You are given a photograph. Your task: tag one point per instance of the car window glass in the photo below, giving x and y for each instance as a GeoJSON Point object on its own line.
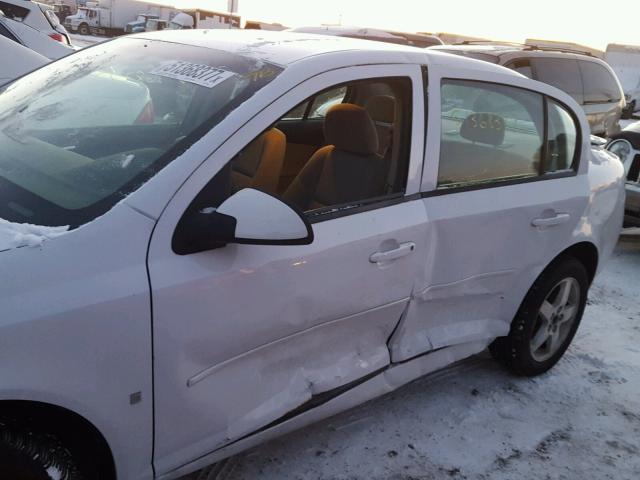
{"type": "Point", "coordinates": [599, 83]}
{"type": "Point", "coordinates": [297, 112]}
{"type": "Point", "coordinates": [323, 102]}
{"type": "Point", "coordinates": [361, 158]}
{"type": "Point", "coordinates": [489, 133]}
{"type": "Point", "coordinates": [523, 67]}
{"type": "Point", "coordinates": [562, 73]}
{"type": "Point", "coordinates": [634, 171]}
{"type": "Point", "coordinates": [14, 12]}
{"type": "Point", "coordinates": [562, 138]}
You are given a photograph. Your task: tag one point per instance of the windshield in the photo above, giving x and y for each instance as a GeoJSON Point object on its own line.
{"type": "Point", "coordinates": [79, 134]}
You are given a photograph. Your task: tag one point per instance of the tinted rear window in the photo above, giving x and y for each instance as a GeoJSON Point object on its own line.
{"type": "Point", "coordinates": [599, 84]}
{"type": "Point", "coordinates": [562, 73]}
{"type": "Point", "coordinates": [14, 11]}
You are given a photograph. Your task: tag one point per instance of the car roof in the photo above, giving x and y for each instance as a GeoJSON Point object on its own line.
{"type": "Point", "coordinates": [286, 48]}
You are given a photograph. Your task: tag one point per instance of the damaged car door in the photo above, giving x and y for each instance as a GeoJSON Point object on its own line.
{"type": "Point", "coordinates": [248, 335]}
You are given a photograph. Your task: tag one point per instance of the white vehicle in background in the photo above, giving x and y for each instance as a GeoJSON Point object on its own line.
{"type": "Point", "coordinates": [225, 260]}
{"type": "Point", "coordinates": [625, 62]}
{"type": "Point", "coordinates": [16, 60]}
{"type": "Point", "coordinates": [104, 17]}
{"type": "Point", "coordinates": [36, 26]}
{"type": "Point", "coordinates": [198, 18]}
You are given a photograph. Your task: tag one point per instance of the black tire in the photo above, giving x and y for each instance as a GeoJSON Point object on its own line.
{"type": "Point", "coordinates": [28, 456]}
{"type": "Point", "coordinates": [83, 29]}
{"type": "Point", "coordinates": [514, 350]}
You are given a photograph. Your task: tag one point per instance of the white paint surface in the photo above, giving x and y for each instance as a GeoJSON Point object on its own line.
{"type": "Point", "coordinates": [476, 421]}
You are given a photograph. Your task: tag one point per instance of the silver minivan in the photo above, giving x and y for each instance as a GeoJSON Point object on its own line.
{"type": "Point", "coordinates": [589, 80]}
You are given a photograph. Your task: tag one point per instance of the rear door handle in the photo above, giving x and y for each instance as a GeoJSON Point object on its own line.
{"type": "Point", "coordinates": [557, 219]}
{"type": "Point", "coordinates": [390, 255]}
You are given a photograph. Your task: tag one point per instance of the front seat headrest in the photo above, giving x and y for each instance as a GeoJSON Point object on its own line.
{"type": "Point", "coordinates": [382, 108]}
{"type": "Point", "coordinates": [349, 127]}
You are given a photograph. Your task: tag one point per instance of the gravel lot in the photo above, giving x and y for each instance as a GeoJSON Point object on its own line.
{"type": "Point", "coordinates": [475, 421]}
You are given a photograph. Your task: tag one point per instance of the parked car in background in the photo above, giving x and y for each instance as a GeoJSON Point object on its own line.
{"type": "Point", "coordinates": [48, 42]}
{"type": "Point", "coordinates": [222, 259]}
{"type": "Point", "coordinates": [379, 35]}
{"type": "Point", "coordinates": [626, 145]}
{"type": "Point", "coordinates": [589, 80]}
{"type": "Point", "coordinates": [16, 60]}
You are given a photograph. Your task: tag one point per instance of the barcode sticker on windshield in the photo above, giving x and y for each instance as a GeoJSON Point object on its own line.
{"type": "Point", "coordinates": [203, 75]}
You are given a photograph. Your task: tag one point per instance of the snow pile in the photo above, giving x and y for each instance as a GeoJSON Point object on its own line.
{"type": "Point", "coordinates": [13, 235]}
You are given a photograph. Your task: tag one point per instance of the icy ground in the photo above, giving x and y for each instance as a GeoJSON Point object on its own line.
{"type": "Point", "coordinates": [82, 41]}
{"type": "Point", "coordinates": [580, 421]}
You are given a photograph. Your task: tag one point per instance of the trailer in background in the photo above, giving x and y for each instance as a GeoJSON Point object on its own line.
{"type": "Point", "coordinates": [625, 61]}
{"type": "Point", "coordinates": [104, 17]}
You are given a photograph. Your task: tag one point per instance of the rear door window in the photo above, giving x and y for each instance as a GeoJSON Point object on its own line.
{"type": "Point", "coordinates": [562, 73]}
{"type": "Point", "coordinates": [599, 84]}
{"type": "Point", "coordinates": [490, 133]}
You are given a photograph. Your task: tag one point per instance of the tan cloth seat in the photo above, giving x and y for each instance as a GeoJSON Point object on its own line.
{"type": "Point", "coordinates": [348, 169]}
{"type": "Point", "coordinates": [260, 163]}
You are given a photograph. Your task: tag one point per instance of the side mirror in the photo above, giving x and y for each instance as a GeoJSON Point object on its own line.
{"type": "Point", "coordinates": [248, 217]}
{"type": "Point", "coordinates": [262, 219]}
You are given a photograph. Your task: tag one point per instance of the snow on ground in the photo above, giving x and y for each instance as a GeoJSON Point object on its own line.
{"type": "Point", "coordinates": [474, 420]}
{"type": "Point", "coordinates": [83, 41]}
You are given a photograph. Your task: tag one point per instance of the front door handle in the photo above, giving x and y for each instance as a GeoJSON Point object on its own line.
{"type": "Point", "coordinates": [557, 219]}
{"type": "Point", "coordinates": [390, 255]}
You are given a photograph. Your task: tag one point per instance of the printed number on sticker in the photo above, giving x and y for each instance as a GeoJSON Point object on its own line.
{"type": "Point", "coordinates": [202, 75]}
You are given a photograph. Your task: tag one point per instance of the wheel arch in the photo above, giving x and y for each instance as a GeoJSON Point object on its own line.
{"type": "Point", "coordinates": [73, 430]}
{"type": "Point", "coordinates": [586, 253]}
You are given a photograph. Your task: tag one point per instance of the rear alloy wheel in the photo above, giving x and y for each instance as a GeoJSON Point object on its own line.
{"type": "Point", "coordinates": [546, 321]}
{"type": "Point", "coordinates": [30, 456]}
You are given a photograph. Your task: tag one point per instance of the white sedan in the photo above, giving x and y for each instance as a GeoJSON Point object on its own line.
{"type": "Point", "coordinates": [229, 258]}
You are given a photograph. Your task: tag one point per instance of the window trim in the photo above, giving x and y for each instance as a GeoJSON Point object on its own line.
{"type": "Point", "coordinates": [352, 208]}
{"type": "Point", "coordinates": [572, 171]}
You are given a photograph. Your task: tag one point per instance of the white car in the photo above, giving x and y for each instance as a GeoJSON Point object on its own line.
{"type": "Point", "coordinates": [36, 26]}
{"type": "Point", "coordinates": [233, 262]}
{"type": "Point", "coordinates": [16, 60]}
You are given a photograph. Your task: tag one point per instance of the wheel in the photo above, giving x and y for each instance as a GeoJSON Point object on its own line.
{"type": "Point", "coordinates": [546, 321]}
{"type": "Point", "coordinates": [83, 29]}
{"type": "Point", "coordinates": [30, 456]}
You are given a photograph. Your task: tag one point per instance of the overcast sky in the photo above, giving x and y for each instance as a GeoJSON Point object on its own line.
{"type": "Point", "coordinates": [610, 21]}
